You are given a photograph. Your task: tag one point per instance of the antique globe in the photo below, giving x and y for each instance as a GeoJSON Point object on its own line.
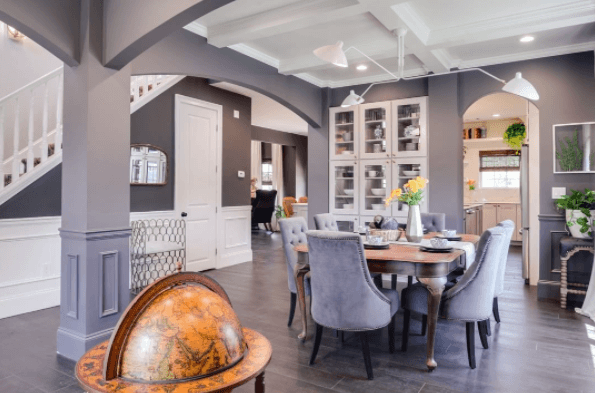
{"type": "Point", "coordinates": [180, 334]}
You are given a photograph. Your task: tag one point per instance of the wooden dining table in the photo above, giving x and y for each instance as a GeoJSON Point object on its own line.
{"type": "Point", "coordinates": [431, 270]}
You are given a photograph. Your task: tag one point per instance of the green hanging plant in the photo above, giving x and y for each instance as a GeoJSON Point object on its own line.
{"type": "Point", "coordinates": [570, 156]}
{"type": "Point", "coordinates": [279, 212]}
{"type": "Point", "coordinates": [515, 135]}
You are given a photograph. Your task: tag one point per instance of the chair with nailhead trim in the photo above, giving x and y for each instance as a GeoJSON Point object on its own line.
{"type": "Point", "coordinates": [344, 297]}
{"type": "Point", "coordinates": [293, 233]}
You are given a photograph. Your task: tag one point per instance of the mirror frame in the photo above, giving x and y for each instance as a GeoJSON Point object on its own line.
{"type": "Point", "coordinates": [167, 164]}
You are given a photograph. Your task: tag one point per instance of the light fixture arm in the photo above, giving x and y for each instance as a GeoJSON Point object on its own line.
{"type": "Point", "coordinates": [454, 72]}
{"type": "Point", "coordinates": [373, 61]}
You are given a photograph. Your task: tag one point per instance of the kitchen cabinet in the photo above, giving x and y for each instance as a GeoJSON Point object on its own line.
{"type": "Point", "coordinates": [403, 170]}
{"type": "Point", "coordinates": [410, 136]}
{"type": "Point", "coordinates": [343, 133]}
{"type": "Point", "coordinates": [375, 180]}
{"type": "Point", "coordinates": [493, 213]}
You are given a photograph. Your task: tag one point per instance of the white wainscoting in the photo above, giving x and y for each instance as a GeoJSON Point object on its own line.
{"type": "Point", "coordinates": [234, 244]}
{"type": "Point", "coordinates": [30, 255]}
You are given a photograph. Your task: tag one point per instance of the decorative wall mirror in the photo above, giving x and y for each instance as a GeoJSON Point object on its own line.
{"type": "Point", "coordinates": [148, 165]}
{"type": "Point", "coordinates": [574, 148]}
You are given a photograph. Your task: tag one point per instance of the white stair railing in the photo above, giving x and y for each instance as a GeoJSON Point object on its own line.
{"type": "Point", "coordinates": [143, 88]}
{"type": "Point", "coordinates": [23, 162]}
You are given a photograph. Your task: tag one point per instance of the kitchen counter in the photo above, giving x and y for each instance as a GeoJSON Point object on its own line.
{"type": "Point", "coordinates": [467, 205]}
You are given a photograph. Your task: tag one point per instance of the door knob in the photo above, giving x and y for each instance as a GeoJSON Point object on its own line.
{"type": "Point", "coordinates": [184, 214]}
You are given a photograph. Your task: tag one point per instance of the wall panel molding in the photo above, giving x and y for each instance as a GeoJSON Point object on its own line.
{"type": "Point", "coordinates": [72, 291]}
{"type": "Point", "coordinates": [108, 285]}
{"type": "Point", "coordinates": [234, 241]}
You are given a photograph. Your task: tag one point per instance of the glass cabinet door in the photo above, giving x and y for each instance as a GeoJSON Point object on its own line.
{"type": "Point", "coordinates": [343, 187]}
{"type": "Point", "coordinates": [410, 127]}
{"type": "Point", "coordinates": [375, 132]}
{"type": "Point", "coordinates": [375, 186]}
{"type": "Point", "coordinates": [343, 133]}
{"type": "Point", "coordinates": [403, 170]}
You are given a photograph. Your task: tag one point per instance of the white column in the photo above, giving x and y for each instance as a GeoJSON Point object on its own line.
{"type": "Point", "coordinates": [15, 143]}
{"type": "Point", "coordinates": [44, 136]}
{"type": "Point", "coordinates": [30, 155]}
{"type": "Point", "coordinates": [59, 121]}
{"type": "Point", "coordinates": [1, 147]}
{"type": "Point", "coordinates": [587, 147]}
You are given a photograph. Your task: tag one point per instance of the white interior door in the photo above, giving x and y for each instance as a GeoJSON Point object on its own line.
{"type": "Point", "coordinates": [197, 185]}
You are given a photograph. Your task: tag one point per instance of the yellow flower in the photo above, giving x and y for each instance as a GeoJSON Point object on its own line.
{"type": "Point", "coordinates": [421, 182]}
{"type": "Point", "coordinates": [396, 193]}
{"type": "Point", "coordinates": [412, 185]}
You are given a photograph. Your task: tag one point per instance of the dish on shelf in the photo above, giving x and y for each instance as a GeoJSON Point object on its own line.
{"type": "Point", "coordinates": [346, 151]}
{"type": "Point", "coordinates": [347, 174]}
{"type": "Point", "coordinates": [411, 173]}
{"type": "Point", "coordinates": [411, 146]}
{"type": "Point", "coordinates": [347, 136]}
{"type": "Point", "coordinates": [378, 191]}
{"type": "Point", "coordinates": [348, 205]}
{"type": "Point", "coordinates": [378, 206]}
{"type": "Point", "coordinates": [348, 191]}
{"type": "Point", "coordinates": [372, 173]}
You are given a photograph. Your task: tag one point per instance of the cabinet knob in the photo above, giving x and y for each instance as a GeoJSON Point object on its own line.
{"type": "Point", "coordinates": [388, 162]}
{"type": "Point", "coordinates": [388, 155]}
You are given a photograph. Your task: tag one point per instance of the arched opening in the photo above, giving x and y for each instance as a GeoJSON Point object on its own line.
{"type": "Point", "coordinates": [497, 185]}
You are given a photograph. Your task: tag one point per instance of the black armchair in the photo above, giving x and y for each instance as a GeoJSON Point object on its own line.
{"type": "Point", "coordinates": [264, 206]}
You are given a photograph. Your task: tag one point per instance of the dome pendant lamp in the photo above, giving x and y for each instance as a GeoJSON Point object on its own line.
{"type": "Point", "coordinates": [521, 87]}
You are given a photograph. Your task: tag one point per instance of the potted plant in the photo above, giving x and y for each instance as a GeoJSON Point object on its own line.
{"type": "Point", "coordinates": [411, 194]}
{"type": "Point", "coordinates": [578, 207]}
{"type": "Point", "coordinates": [471, 184]}
{"type": "Point", "coordinates": [515, 136]}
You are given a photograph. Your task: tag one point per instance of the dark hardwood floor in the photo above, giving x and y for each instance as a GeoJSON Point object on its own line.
{"type": "Point", "coordinates": [537, 348]}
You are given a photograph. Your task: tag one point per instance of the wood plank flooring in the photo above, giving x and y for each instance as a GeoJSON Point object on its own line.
{"type": "Point", "coordinates": [538, 347]}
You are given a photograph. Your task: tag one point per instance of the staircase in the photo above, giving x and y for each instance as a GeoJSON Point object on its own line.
{"type": "Point", "coordinates": [36, 148]}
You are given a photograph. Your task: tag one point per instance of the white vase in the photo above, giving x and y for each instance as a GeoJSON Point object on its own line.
{"type": "Point", "coordinates": [575, 229]}
{"type": "Point", "coordinates": [414, 232]}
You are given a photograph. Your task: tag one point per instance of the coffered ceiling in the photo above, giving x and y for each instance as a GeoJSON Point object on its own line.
{"type": "Point", "coordinates": [442, 34]}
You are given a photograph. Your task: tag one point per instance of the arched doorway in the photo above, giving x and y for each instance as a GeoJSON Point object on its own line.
{"type": "Point", "coordinates": [494, 170]}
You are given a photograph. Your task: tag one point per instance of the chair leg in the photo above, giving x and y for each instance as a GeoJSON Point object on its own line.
{"type": "Point", "coordinates": [366, 352]}
{"type": "Point", "coordinates": [406, 321]}
{"type": "Point", "coordinates": [424, 324]}
{"type": "Point", "coordinates": [378, 281]}
{"type": "Point", "coordinates": [391, 334]}
{"type": "Point", "coordinates": [292, 308]}
{"type": "Point", "coordinates": [495, 310]}
{"type": "Point", "coordinates": [316, 343]}
{"type": "Point", "coordinates": [470, 327]}
{"type": "Point", "coordinates": [409, 281]}
{"type": "Point", "coordinates": [393, 282]}
{"type": "Point", "coordinates": [482, 327]}
{"type": "Point", "coordinates": [489, 326]}
{"type": "Point", "coordinates": [342, 337]}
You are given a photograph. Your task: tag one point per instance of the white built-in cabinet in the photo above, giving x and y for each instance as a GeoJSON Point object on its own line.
{"type": "Point", "coordinates": [374, 148]}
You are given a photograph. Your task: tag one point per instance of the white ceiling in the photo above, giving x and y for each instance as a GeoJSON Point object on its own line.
{"type": "Point", "coordinates": [267, 112]}
{"type": "Point", "coordinates": [506, 105]}
{"type": "Point", "coordinates": [442, 34]}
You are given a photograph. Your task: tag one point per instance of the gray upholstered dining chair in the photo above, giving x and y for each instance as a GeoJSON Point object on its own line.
{"type": "Point", "coordinates": [470, 300]}
{"type": "Point", "coordinates": [325, 222]}
{"type": "Point", "coordinates": [293, 233]}
{"type": "Point", "coordinates": [508, 226]}
{"type": "Point", "coordinates": [433, 222]}
{"type": "Point", "coordinates": [343, 295]}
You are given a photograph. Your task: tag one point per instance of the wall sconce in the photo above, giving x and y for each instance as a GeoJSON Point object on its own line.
{"type": "Point", "coordinates": [14, 33]}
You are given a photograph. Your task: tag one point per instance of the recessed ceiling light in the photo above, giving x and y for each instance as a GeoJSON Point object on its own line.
{"type": "Point", "coordinates": [496, 115]}
{"type": "Point", "coordinates": [362, 67]}
{"type": "Point", "coordinates": [527, 38]}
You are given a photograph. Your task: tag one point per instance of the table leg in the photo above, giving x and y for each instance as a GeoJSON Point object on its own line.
{"type": "Point", "coordinates": [300, 273]}
{"type": "Point", "coordinates": [259, 385]}
{"type": "Point", "coordinates": [435, 286]}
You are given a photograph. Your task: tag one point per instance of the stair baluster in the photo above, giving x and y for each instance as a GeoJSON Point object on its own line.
{"type": "Point", "coordinates": [15, 143]}
{"type": "Point", "coordinates": [44, 135]}
{"type": "Point", "coordinates": [2, 147]}
{"type": "Point", "coordinates": [59, 125]}
{"type": "Point", "coordinates": [30, 155]}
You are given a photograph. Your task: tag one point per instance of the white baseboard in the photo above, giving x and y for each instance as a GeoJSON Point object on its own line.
{"type": "Point", "coordinates": [30, 301]}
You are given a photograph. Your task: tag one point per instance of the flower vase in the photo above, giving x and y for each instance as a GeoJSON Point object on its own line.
{"type": "Point", "coordinates": [414, 232]}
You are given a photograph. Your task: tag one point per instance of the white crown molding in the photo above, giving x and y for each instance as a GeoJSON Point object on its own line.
{"type": "Point", "coordinates": [255, 54]}
{"type": "Point", "coordinates": [560, 50]}
{"type": "Point", "coordinates": [197, 28]}
{"type": "Point", "coordinates": [312, 79]}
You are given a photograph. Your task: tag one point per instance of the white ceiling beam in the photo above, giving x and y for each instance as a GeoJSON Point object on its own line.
{"type": "Point", "coordinates": [296, 16]}
{"type": "Point", "coordinates": [403, 15]}
{"type": "Point", "coordinates": [559, 16]}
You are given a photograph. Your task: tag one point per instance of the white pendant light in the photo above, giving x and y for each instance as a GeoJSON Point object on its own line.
{"type": "Point", "coordinates": [333, 54]}
{"type": "Point", "coordinates": [352, 99]}
{"type": "Point", "coordinates": [521, 87]}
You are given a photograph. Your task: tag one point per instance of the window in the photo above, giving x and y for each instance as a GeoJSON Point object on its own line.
{"type": "Point", "coordinates": [267, 172]}
{"type": "Point", "coordinates": [500, 169]}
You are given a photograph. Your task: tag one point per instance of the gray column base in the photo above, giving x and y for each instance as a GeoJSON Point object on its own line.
{"type": "Point", "coordinates": [94, 287]}
{"type": "Point", "coordinates": [72, 345]}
